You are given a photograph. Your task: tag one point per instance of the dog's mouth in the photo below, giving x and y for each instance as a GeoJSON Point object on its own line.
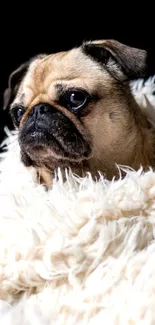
{"type": "Point", "coordinates": [57, 139]}
{"type": "Point", "coordinates": [43, 143]}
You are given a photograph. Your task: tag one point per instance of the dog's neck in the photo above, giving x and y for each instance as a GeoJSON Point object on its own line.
{"type": "Point", "coordinates": [144, 136]}
{"type": "Point", "coordinates": [136, 145]}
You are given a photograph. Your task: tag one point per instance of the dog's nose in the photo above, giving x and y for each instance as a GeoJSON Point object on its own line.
{"type": "Point", "coordinates": [41, 109]}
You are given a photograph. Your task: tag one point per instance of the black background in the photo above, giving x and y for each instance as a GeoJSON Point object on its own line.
{"type": "Point", "coordinates": [52, 27]}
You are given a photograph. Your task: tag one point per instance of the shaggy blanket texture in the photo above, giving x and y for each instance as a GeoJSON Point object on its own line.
{"type": "Point", "coordinates": [82, 253]}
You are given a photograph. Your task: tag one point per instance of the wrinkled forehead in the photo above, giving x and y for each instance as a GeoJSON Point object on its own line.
{"type": "Point", "coordinates": [64, 65]}
{"type": "Point", "coordinates": [68, 69]}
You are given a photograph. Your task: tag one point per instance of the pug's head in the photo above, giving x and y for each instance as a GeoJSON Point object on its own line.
{"type": "Point", "coordinates": [75, 108]}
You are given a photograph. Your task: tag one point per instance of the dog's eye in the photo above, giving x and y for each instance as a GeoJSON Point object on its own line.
{"type": "Point", "coordinates": [17, 113]}
{"type": "Point", "coordinates": [74, 100]}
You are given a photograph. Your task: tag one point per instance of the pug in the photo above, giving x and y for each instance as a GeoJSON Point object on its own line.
{"type": "Point", "coordinates": [75, 110]}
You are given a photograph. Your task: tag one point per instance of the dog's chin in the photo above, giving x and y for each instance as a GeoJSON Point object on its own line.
{"type": "Point", "coordinates": [37, 149]}
{"type": "Point", "coordinates": [47, 153]}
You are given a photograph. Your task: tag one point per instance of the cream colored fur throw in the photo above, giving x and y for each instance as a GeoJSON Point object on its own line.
{"type": "Point", "coordinates": [82, 253]}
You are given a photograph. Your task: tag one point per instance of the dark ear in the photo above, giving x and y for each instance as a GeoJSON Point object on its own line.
{"type": "Point", "coordinates": [13, 84]}
{"type": "Point", "coordinates": [122, 61]}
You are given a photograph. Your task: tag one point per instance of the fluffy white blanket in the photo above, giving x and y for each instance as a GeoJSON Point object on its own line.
{"type": "Point", "coordinates": [82, 253]}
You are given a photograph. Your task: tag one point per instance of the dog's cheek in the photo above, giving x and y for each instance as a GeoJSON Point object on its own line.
{"type": "Point", "coordinates": [102, 128]}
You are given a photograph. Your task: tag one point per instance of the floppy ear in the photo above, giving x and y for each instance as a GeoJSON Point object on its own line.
{"type": "Point", "coordinates": [122, 61]}
{"type": "Point", "coordinates": [13, 84]}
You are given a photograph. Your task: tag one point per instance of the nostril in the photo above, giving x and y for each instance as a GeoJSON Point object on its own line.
{"type": "Point", "coordinates": [40, 109]}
